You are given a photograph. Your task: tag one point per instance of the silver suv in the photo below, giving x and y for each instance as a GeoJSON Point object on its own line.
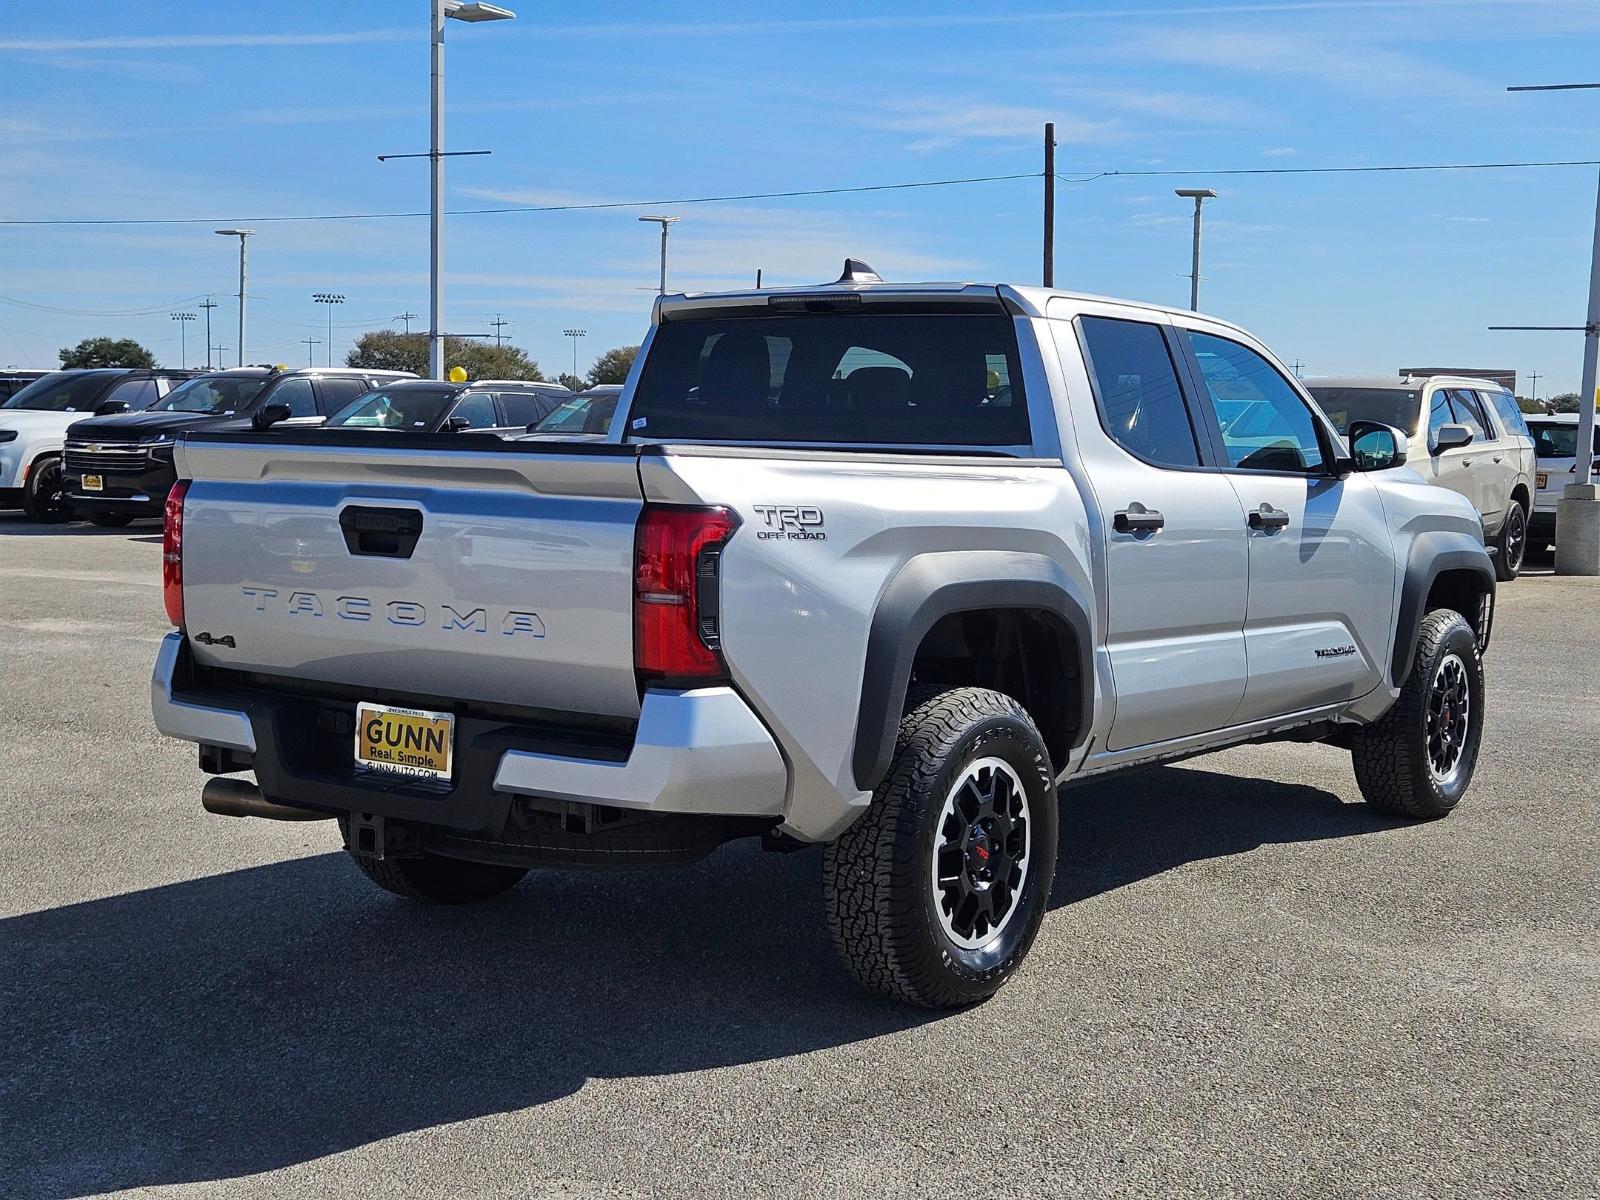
{"type": "Point", "coordinates": [1465, 434]}
{"type": "Point", "coordinates": [864, 566]}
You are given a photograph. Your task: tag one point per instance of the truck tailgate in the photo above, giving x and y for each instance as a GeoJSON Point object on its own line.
{"type": "Point", "coordinates": [471, 570]}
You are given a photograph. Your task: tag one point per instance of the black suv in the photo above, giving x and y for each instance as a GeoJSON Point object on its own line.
{"type": "Point", "coordinates": [431, 406]}
{"type": "Point", "coordinates": [117, 468]}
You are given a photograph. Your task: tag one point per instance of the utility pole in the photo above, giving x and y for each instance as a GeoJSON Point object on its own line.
{"type": "Point", "coordinates": [208, 306]}
{"type": "Point", "coordinates": [1050, 204]}
{"type": "Point", "coordinates": [309, 342]}
{"type": "Point", "coordinates": [1298, 367]}
{"type": "Point", "coordinates": [1199, 196]}
{"type": "Point", "coordinates": [498, 324]}
{"type": "Point", "coordinates": [1578, 512]}
{"type": "Point", "coordinates": [1534, 375]}
{"type": "Point", "coordinates": [244, 236]}
{"type": "Point", "coordinates": [407, 318]}
{"type": "Point", "coordinates": [758, 279]}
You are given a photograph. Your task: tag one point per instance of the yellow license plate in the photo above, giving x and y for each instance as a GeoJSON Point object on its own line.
{"type": "Point", "coordinates": [93, 483]}
{"type": "Point", "coordinates": [404, 741]}
{"type": "Point", "coordinates": [1543, 480]}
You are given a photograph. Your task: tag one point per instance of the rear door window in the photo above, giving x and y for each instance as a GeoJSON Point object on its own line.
{"type": "Point", "coordinates": [1505, 407]}
{"type": "Point", "coordinates": [906, 379]}
{"type": "Point", "coordinates": [338, 391]}
{"type": "Point", "coordinates": [1136, 387]}
{"type": "Point", "coordinates": [524, 408]}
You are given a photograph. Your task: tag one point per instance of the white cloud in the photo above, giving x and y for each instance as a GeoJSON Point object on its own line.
{"type": "Point", "coordinates": [947, 122]}
{"type": "Point", "coordinates": [1175, 106]}
{"type": "Point", "coordinates": [203, 41]}
{"type": "Point", "coordinates": [1280, 152]}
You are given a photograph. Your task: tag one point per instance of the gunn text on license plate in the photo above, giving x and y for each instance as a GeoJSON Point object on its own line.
{"type": "Point", "coordinates": [405, 741]}
{"type": "Point", "coordinates": [93, 483]}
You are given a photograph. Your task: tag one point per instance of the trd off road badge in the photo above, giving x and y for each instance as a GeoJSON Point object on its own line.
{"type": "Point", "coordinates": [796, 522]}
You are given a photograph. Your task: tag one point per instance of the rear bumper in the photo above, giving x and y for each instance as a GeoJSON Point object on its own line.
{"type": "Point", "coordinates": [694, 752]}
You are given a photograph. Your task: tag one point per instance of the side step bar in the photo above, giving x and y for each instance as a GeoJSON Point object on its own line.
{"type": "Point", "coordinates": [236, 798]}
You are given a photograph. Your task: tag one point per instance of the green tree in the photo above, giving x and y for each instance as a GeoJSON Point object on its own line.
{"type": "Point", "coordinates": [1531, 406]}
{"type": "Point", "coordinates": [386, 350]}
{"type": "Point", "coordinates": [107, 352]}
{"type": "Point", "coordinates": [1565, 402]}
{"type": "Point", "coordinates": [570, 381]}
{"type": "Point", "coordinates": [613, 366]}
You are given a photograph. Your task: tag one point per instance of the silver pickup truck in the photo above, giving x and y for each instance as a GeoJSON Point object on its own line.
{"type": "Point", "coordinates": [870, 566]}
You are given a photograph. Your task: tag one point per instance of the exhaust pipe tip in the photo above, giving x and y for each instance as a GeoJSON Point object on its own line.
{"type": "Point", "coordinates": [237, 798]}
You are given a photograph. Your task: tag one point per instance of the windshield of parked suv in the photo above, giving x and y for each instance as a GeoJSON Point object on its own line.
{"type": "Point", "coordinates": [62, 392]}
{"type": "Point", "coordinates": [908, 379]}
{"type": "Point", "coordinates": [1388, 406]}
{"type": "Point", "coordinates": [395, 408]}
{"type": "Point", "coordinates": [1557, 441]}
{"type": "Point", "coordinates": [213, 395]}
{"type": "Point", "coordinates": [581, 414]}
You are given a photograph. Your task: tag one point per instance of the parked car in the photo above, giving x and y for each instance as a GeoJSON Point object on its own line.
{"type": "Point", "coordinates": [1465, 434]}
{"type": "Point", "coordinates": [500, 406]}
{"type": "Point", "coordinates": [34, 423]}
{"type": "Point", "coordinates": [117, 468]}
{"type": "Point", "coordinates": [587, 415]}
{"type": "Point", "coordinates": [1555, 443]}
{"type": "Point", "coordinates": [821, 587]}
{"type": "Point", "coordinates": [14, 379]}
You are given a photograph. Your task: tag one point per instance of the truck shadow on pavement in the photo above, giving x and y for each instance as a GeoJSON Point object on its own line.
{"type": "Point", "coordinates": [252, 1020]}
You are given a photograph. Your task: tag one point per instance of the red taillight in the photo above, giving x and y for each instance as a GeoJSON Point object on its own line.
{"type": "Point", "coordinates": [677, 554]}
{"type": "Point", "coordinates": [172, 553]}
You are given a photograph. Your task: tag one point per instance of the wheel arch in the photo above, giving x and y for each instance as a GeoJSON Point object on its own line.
{"type": "Point", "coordinates": [1443, 570]}
{"type": "Point", "coordinates": [1037, 634]}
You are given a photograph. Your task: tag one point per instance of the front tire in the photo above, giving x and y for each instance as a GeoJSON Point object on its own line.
{"type": "Point", "coordinates": [42, 496]}
{"type": "Point", "coordinates": [934, 896]}
{"type": "Point", "coordinates": [1417, 759]}
{"type": "Point", "coordinates": [1512, 544]}
{"type": "Point", "coordinates": [440, 880]}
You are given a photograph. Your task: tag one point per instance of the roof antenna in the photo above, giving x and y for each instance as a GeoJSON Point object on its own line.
{"type": "Point", "coordinates": [856, 271]}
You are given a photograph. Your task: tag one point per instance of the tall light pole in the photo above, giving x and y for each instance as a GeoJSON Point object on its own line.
{"type": "Point", "coordinates": [1199, 196]}
{"type": "Point", "coordinates": [443, 10]}
{"type": "Point", "coordinates": [665, 223]}
{"type": "Point", "coordinates": [243, 235]}
{"type": "Point", "coordinates": [208, 306]}
{"type": "Point", "coordinates": [330, 299]}
{"type": "Point", "coordinates": [183, 318]}
{"type": "Point", "coordinates": [1578, 512]}
{"type": "Point", "coordinates": [575, 334]}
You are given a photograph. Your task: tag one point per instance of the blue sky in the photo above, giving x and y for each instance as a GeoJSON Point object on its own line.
{"type": "Point", "coordinates": [234, 112]}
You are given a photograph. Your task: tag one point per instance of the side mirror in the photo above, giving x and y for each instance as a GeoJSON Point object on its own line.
{"type": "Point", "coordinates": [269, 415]}
{"type": "Point", "coordinates": [1451, 436]}
{"type": "Point", "coordinates": [456, 424]}
{"type": "Point", "coordinates": [109, 407]}
{"type": "Point", "coordinates": [1376, 447]}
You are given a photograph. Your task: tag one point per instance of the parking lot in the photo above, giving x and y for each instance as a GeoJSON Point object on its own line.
{"type": "Point", "coordinates": [1248, 984]}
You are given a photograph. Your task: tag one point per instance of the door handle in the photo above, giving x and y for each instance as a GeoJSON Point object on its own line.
{"type": "Point", "coordinates": [1267, 517]}
{"type": "Point", "coordinates": [1137, 519]}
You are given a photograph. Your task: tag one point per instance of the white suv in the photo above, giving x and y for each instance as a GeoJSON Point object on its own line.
{"type": "Point", "coordinates": [1465, 434]}
{"type": "Point", "coordinates": [1555, 443]}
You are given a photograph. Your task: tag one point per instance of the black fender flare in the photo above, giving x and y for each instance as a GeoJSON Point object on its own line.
{"type": "Point", "coordinates": [1431, 555]}
{"type": "Point", "coordinates": [931, 586]}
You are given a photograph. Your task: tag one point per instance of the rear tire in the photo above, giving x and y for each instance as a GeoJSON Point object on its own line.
{"type": "Point", "coordinates": [110, 520]}
{"type": "Point", "coordinates": [1417, 760]}
{"type": "Point", "coordinates": [42, 497]}
{"type": "Point", "coordinates": [934, 896]}
{"type": "Point", "coordinates": [1512, 544]}
{"type": "Point", "coordinates": [440, 880]}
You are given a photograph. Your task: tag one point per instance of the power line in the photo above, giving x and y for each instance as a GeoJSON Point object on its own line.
{"type": "Point", "coordinates": [91, 312]}
{"type": "Point", "coordinates": [1485, 166]}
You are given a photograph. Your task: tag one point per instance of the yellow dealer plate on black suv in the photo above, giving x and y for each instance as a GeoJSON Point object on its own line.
{"type": "Point", "coordinates": [405, 741]}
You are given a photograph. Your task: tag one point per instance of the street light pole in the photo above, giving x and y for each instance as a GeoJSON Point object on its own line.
{"type": "Point", "coordinates": [183, 318]}
{"type": "Point", "coordinates": [1578, 512]}
{"type": "Point", "coordinates": [442, 10]}
{"type": "Point", "coordinates": [575, 334]}
{"type": "Point", "coordinates": [243, 235]}
{"type": "Point", "coordinates": [666, 223]}
{"type": "Point", "coordinates": [330, 299]}
{"type": "Point", "coordinates": [1199, 196]}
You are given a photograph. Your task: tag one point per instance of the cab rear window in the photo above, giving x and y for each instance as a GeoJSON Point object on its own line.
{"type": "Point", "coordinates": [905, 379]}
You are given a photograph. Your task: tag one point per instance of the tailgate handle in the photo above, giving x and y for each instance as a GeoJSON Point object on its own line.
{"type": "Point", "coordinates": [380, 532]}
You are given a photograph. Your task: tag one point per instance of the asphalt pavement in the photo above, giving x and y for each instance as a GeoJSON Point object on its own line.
{"type": "Point", "coordinates": [1248, 985]}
